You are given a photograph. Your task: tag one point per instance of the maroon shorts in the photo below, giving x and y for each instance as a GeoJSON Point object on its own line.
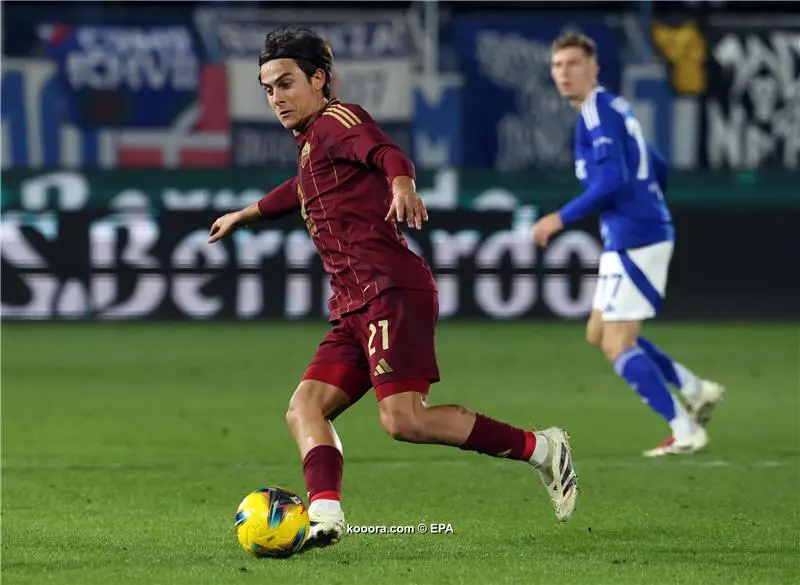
{"type": "Point", "coordinates": [388, 344]}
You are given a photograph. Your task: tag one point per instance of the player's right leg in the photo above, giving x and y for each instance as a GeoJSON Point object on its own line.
{"type": "Point", "coordinates": [700, 395]}
{"type": "Point", "coordinates": [335, 380]}
{"type": "Point", "coordinates": [630, 290]}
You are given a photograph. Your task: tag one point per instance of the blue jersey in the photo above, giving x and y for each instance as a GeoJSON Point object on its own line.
{"type": "Point", "coordinates": [624, 178]}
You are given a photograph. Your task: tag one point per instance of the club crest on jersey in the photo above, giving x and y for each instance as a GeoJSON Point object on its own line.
{"type": "Point", "coordinates": [304, 154]}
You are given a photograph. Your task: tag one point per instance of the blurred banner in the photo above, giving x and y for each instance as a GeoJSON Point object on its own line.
{"type": "Point", "coordinates": [131, 245]}
{"type": "Point", "coordinates": [124, 76]}
{"type": "Point", "coordinates": [177, 87]}
{"type": "Point", "coordinates": [43, 122]}
{"type": "Point", "coordinates": [373, 68]}
{"type": "Point", "coordinates": [220, 191]}
{"type": "Point", "coordinates": [667, 95]}
{"type": "Point", "coordinates": [101, 265]}
{"type": "Point", "coordinates": [752, 106]}
{"type": "Point", "coordinates": [513, 116]}
{"type": "Point", "coordinates": [98, 264]}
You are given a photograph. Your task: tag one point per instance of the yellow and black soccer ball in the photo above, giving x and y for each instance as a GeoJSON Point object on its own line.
{"type": "Point", "coordinates": [272, 522]}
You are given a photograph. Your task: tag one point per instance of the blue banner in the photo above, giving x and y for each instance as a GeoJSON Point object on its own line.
{"type": "Point", "coordinates": [124, 76]}
{"type": "Point", "coordinates": [513, 116]}
{"type": "Point", "coordinates": [438, 123]}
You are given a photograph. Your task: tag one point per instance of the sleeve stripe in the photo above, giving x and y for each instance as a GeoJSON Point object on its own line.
{"type": "Point", "coordinates": [336, 115]}
{"type": "Point", "coordinates": [345, 113]}
{"type": "Point", "coordinates": [589, 112]}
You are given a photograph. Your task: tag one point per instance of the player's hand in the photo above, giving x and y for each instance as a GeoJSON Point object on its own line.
{"type": "Point", "coordinates": [546, 228]}
{"type": "Point", "coordinates": [407, 205]}
{"type": "Point", "coordinates": [223, 226]}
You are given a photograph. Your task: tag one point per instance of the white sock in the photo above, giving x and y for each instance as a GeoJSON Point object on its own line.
{"type": "Point", "coordinates": [323, 507]}
{"type": "Point", "coordinates": [690, 384]}
{"type": "Point", "coordinates": [539, 454]}
{"type": "Point", "coordinates": [682, 425]}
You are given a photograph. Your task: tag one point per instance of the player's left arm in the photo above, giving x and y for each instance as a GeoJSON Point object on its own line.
{"type": "Point", "coordinates": [607, 132]}
{"type": "Point", "coordinates": [352, 134]}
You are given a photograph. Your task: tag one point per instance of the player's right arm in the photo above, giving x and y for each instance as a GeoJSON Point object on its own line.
{"type": "Point", "coordinates": [282, 200]}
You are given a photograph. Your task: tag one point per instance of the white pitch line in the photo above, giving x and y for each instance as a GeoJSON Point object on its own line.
{"type": "Point", "coordinates": [677, 461]}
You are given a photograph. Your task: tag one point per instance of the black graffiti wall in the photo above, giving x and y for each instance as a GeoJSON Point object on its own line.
{"type": "Point", "coordinates": [752, 102]}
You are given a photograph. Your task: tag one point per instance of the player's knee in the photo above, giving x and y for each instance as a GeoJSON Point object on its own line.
{"type": "Point", "coordinates": [403, 424]}
{"type": "Point", "coordinates": [302, 406]}
{"type": "Point", "coordinates": [293, 415]}
{"type": "Point", "coordinates": [613, 346]}
{"type": "Point", "coordinates": [618, 337]}
{"type": "Point", "coordinates": [594, 330]}
{"type": "Point", "coordinates": [594, 335]}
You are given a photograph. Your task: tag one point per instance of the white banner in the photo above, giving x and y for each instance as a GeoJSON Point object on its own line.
{"type": "Point", "coordinates": [383, 87]}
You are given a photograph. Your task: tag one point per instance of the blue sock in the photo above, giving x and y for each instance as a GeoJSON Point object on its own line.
{"type": "Point", "coordinates": [642, 374]}
{"type": "Point", "coordinates": [665, 363]}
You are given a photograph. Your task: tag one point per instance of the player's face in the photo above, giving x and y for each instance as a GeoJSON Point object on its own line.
{"type": "Point", "coordinates": [291, 94]}
{"type": "Point", "coordinates": [574, 73]}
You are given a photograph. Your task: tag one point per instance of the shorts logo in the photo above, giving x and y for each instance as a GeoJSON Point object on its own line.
{"type": "Point", "coordinates": [383, 367]}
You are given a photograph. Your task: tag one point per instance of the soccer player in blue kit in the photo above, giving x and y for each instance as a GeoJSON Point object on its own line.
{"type": "Point", "coordinates": [624, 180]}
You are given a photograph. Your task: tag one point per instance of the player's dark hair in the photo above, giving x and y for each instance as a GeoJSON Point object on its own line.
{"type": "Point", "coordinates": [577, 40]}
{"type": "Point", "coordinates": [306, 47]}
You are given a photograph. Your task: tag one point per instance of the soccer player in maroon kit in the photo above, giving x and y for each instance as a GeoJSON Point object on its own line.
{"type": "Point", "coordinates": [353, 186]}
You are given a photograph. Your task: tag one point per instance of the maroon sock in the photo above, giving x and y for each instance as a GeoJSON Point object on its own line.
{"type": "Point", "coordinates": [498, 439]}
{"type": "Point", "coordinates": [322, 468]}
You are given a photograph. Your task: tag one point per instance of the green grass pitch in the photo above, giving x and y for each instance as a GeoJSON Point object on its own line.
{"type": "Point", "coordinates": [127, 447]}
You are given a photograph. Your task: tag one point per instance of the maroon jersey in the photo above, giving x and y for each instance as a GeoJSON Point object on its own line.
{"type": "Point", "coordinates": [344, 194]}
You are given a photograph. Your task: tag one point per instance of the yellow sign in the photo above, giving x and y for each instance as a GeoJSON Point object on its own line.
{"type": "Point", "coordinates": [685, 49]}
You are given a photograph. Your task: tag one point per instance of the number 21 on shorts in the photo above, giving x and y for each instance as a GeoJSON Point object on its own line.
{"type": "Point", "coordinates": [383, 325]}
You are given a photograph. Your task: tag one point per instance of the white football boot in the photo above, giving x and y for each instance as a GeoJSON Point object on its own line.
{"type": "Point", "coordinates": [558, 474]}
{"type": "Point", "coordinates": [327, 524]}
{"type": "Point", "coordinates": [710, 395]}
{"type": "Point", "coordinates": [692, 444]}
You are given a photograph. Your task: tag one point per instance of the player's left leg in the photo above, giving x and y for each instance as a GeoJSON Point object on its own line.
{"type": "Point", "coordinates": [634, 366]}
{"type": "Point", "coordinates": [700, 395]}
{"type": "Point", "coordinates": [399, 331]}
{"type": "Point", "coordinates": [635, 281]}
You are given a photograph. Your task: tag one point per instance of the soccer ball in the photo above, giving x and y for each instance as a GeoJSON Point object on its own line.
{"type": "Point", "coordinates": [272, 522]}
